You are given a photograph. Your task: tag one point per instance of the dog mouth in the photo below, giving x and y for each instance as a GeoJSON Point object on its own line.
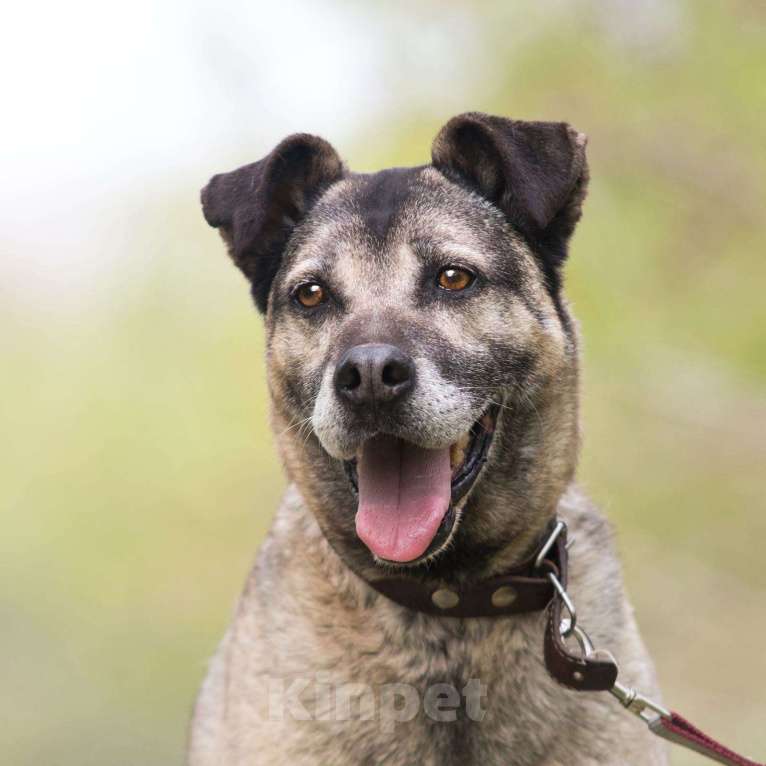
{"type": "Point", "coordinates": [410, 496]}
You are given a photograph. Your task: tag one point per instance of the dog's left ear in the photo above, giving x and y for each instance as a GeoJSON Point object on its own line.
{"type": "Point", "coordinates": [535, 172]}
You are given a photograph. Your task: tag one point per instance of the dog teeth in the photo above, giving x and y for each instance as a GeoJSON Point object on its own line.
{"type": "Point", "coordinates": [457, 450]}
{"type": "Point", "coordinates": [487, 423]}
{"type": "Point", "coordinates": [456, 456]}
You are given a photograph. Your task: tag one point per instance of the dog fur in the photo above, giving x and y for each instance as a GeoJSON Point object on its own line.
{"type": "Point", "coordinates": [500, 198]}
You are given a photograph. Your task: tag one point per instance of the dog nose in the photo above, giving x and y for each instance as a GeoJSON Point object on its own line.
{"type": "Point", "coordinates": [374, 373]}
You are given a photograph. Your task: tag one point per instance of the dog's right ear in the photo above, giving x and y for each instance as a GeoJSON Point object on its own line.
{"type": "Point", "coordinates": [257, 206]}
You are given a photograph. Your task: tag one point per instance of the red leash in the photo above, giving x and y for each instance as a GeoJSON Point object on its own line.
{"type": "Point", "coordinates": [676, 729]}
{"type": "Point", "coordinates": [679, 731]}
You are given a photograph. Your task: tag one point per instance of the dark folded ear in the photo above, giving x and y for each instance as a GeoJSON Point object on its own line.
{"type": "Point", "coordinates": [535, 172]}
{"type": "Point", "coordinates": [257, 206]}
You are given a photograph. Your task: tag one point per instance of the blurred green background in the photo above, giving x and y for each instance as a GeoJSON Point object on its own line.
{"type": "Point", "coordinates": [138, 472]}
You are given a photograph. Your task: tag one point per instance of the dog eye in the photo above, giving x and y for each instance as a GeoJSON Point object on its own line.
{"type": "Point", "coordinates": [455, 279]}
{"type": "Point", "coordinates": [310, 294]}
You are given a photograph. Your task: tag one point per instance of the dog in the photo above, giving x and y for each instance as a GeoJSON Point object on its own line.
{"type": "Point", "coordinates": [422, 365]}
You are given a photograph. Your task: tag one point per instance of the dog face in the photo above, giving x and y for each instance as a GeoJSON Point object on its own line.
{"type": "Point", "coordinates": [422, 362]}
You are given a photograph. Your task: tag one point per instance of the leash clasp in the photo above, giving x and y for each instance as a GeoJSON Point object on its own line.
{"type": "Point", "coordinates": [631, 699]}
{"type": "Point", "coordinates": [659, 720]}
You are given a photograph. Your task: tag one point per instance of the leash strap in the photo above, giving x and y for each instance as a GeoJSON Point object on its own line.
{"type": "Point", "coordinates": [680, 732]}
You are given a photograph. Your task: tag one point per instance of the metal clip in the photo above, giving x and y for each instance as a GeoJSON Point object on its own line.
{"type": "Point", "coordinates": [548, 544]}
{"type": "Point", "coordinates": [631, 699]}
{"type": "Point", "coordinates": [646, 709]}
{"type": "Point", "coordinates": [583, 639]}
{"type": "Point", "coordinates": [569, 626]}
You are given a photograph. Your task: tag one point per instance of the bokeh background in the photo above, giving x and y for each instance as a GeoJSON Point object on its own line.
{"type": "Point", "coordinates": [138, 474]}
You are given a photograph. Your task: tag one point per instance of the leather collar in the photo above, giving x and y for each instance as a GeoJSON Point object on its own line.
{"type": "Point", "coordinates": [529, 587]}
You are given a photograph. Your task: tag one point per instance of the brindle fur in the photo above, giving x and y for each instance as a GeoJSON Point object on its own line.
{"type": "Point", "coordinates": [377, 241]}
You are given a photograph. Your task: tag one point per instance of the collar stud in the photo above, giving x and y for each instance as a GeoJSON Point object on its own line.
{"type": "Point", "coordinates": [503, 596]}
{"type": "Point", "coordinates": [444, 598]}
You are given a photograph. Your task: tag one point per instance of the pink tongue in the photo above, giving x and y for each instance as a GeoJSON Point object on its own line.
{"type": "Point", "coordinates": [404, 492]}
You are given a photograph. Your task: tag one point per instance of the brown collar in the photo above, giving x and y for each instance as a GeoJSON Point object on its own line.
{"type": "Point", "coordinates": [529, 587]}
